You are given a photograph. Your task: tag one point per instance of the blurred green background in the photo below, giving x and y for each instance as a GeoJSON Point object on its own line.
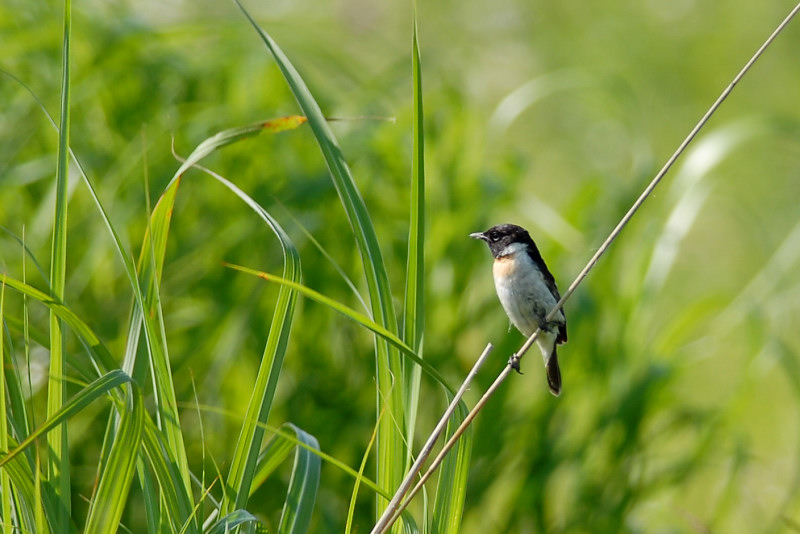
{"type": "Point", "coordinates": [681, 377]}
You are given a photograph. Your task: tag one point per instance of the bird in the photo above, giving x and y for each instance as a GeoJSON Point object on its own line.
{"type": "Point", "coordinates": [528, 292]}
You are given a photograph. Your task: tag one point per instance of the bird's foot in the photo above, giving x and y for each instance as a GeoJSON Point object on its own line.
{"type": "Point", "coordinates": [513, 361]}
{"type": "Point", "coordinates": [549, 326]}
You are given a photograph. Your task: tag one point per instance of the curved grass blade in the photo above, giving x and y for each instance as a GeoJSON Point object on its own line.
{"type": "Point", "coordinates": [389, 369]}
{"type": "Point", "coordinates": [151, 264]}
{"type": "Point", "coordinates": [303, 486]}
{"type": "Point", "coordinates": [302, 492]}
{"type": "Point", "coordinates": [175, 504]}
{"type": "Point", "coordinates": [116, 475]}
{"type": "Point", "coordinates": [243, 464]}
{"type": "Point", "coordinates": [98, 351]}
{"type": "Point", "coordinates": [88, 394]}
{"type": "Point", "coordinates": [22, 478]}
{"type": "Point", "coordinates": [313, 240]}
{"type": "Point", "coordinates": [353, 315]}
{"type": "Point", "coordinates": [232, 520]}
{"type": "Point", "coordinates": [355, 209]}
{"type": "Point", "coordinates": [103, 361]}
{"type": "Point", "coordinates": [153, 331]}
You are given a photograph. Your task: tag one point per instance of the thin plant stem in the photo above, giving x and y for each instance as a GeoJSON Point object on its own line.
{"type": "Point", "coordinates": [450, 443]}
{"type": "Point", "coordinates": [392, 511]}
{"type": "Point", "coordinates": [592, 262]}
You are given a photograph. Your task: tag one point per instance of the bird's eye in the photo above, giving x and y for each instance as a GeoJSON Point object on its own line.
{"type": "Point", "coordinates": [494, 236]}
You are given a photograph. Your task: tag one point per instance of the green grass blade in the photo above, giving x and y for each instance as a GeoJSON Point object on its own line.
{"type": "Point", "coordinates": [414, 313]}
{"type": "Point", "coordinates": [354, 316]}
{"type": "Point", "coordinates": [115, 477]}
{"type": "Point", "coordinates": [49, 502]}
{"type": "Point", "coordinates": [301, 495]}
{"type": "Point", "coordinates": [176, 504]}
{"type": "Point", "coordinates": [265, 468]}
{"type": "Point", "coordinates": [243, 464]}
{"type": "Point", "coordinates": [151, 264]}
{"type": "Point", "coordinates": [98, 352]}
{"type": "Point", "coordinates": [104, 362]}
{"type": "Point", "coordinates": [15, 390]}
{"type": "Point", "coordinates": [5, 482]}
{"type": "Point", "coordinates": [151, 261]}
{"type": "Point", "coordinates": [27, 253]}
{"type": "Point", "coordinates": [23, 477]}
{"type": "Point", "coordinates": [354, 206]}
{"type": "Point", "coordinates": [130, 363]}
{"type": "Point", "coordinates": [317, 245]}
{"type": "Point", "coordinates": [389, 370]}
{"type": "Point", "coordinates": [232, 520]}
{"type": "Point", "coordinates": [352, 507]}
{"type": "Point", "coordinates": [451, 488]}
{"type": "Point", "coordinates": [343, 181]}
{"type": "Point", "coordinates": [275, 452]}
{"type": "Point", "coordinates": [303, 485]}
{"type": "Point", "coordinates": [78, 402]}
{"type": "Point", "coordinates": [101, 358]}
{"type": "Point", "coordinates": [150, 493]}
{"type": "Point", "coordinates": [58, 458]}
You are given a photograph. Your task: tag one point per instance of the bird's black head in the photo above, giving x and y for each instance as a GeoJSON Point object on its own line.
{"type": "Point", "coordinates": [501, 237]}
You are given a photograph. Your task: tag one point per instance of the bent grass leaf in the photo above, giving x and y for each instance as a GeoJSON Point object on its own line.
{"type": "Point", "coordinates": [116, 475]}
{"type": "Point", "coordinates": [232, 520]}
{"type": "Point", "coordinates": [302, 493]}
{"type": "Point", "coordinates": [243, 464]}
{"type": "Point", "coordinates": [389, 368]}
{"type": "Point", "coordinates": [303, 485]}
{"type": "Point", "coordinates": [353, 315]}
{"type": "Point", "coordinates": [78, 402]}
{"type": "Point", "coordinates": [151, 262]}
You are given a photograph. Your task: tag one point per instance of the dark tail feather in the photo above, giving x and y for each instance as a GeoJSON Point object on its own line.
{"type": "Point", "coordinates": [553, 374]}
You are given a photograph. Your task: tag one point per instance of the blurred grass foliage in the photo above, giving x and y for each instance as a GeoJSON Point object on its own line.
{"type": "Point", "coordinates": [682, 383]}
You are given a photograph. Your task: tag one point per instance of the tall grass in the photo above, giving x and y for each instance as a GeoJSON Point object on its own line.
{"type": "Point", "coordinates": [152, 445]}
{"type": "Point", "coordinates": [199, 381]}
{"type": "Point", "coordinates": [58, 463]}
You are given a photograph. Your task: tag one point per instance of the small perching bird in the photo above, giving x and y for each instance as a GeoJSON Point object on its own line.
{"type": "Point", "coordinates": [527, 292]}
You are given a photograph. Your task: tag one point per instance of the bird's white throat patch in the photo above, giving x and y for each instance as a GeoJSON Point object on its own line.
{"type": "Point", "coordinates": [513, 248]}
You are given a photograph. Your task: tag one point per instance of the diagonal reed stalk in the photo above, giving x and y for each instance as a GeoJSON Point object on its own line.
{"type": "Point", "coordinates": [393, 510]}
{"type": "Point", "coordinates": [386, 524]}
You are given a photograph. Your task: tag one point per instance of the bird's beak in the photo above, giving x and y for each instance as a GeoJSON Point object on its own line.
{"type": "Point", "coordinates": [478, 235]}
